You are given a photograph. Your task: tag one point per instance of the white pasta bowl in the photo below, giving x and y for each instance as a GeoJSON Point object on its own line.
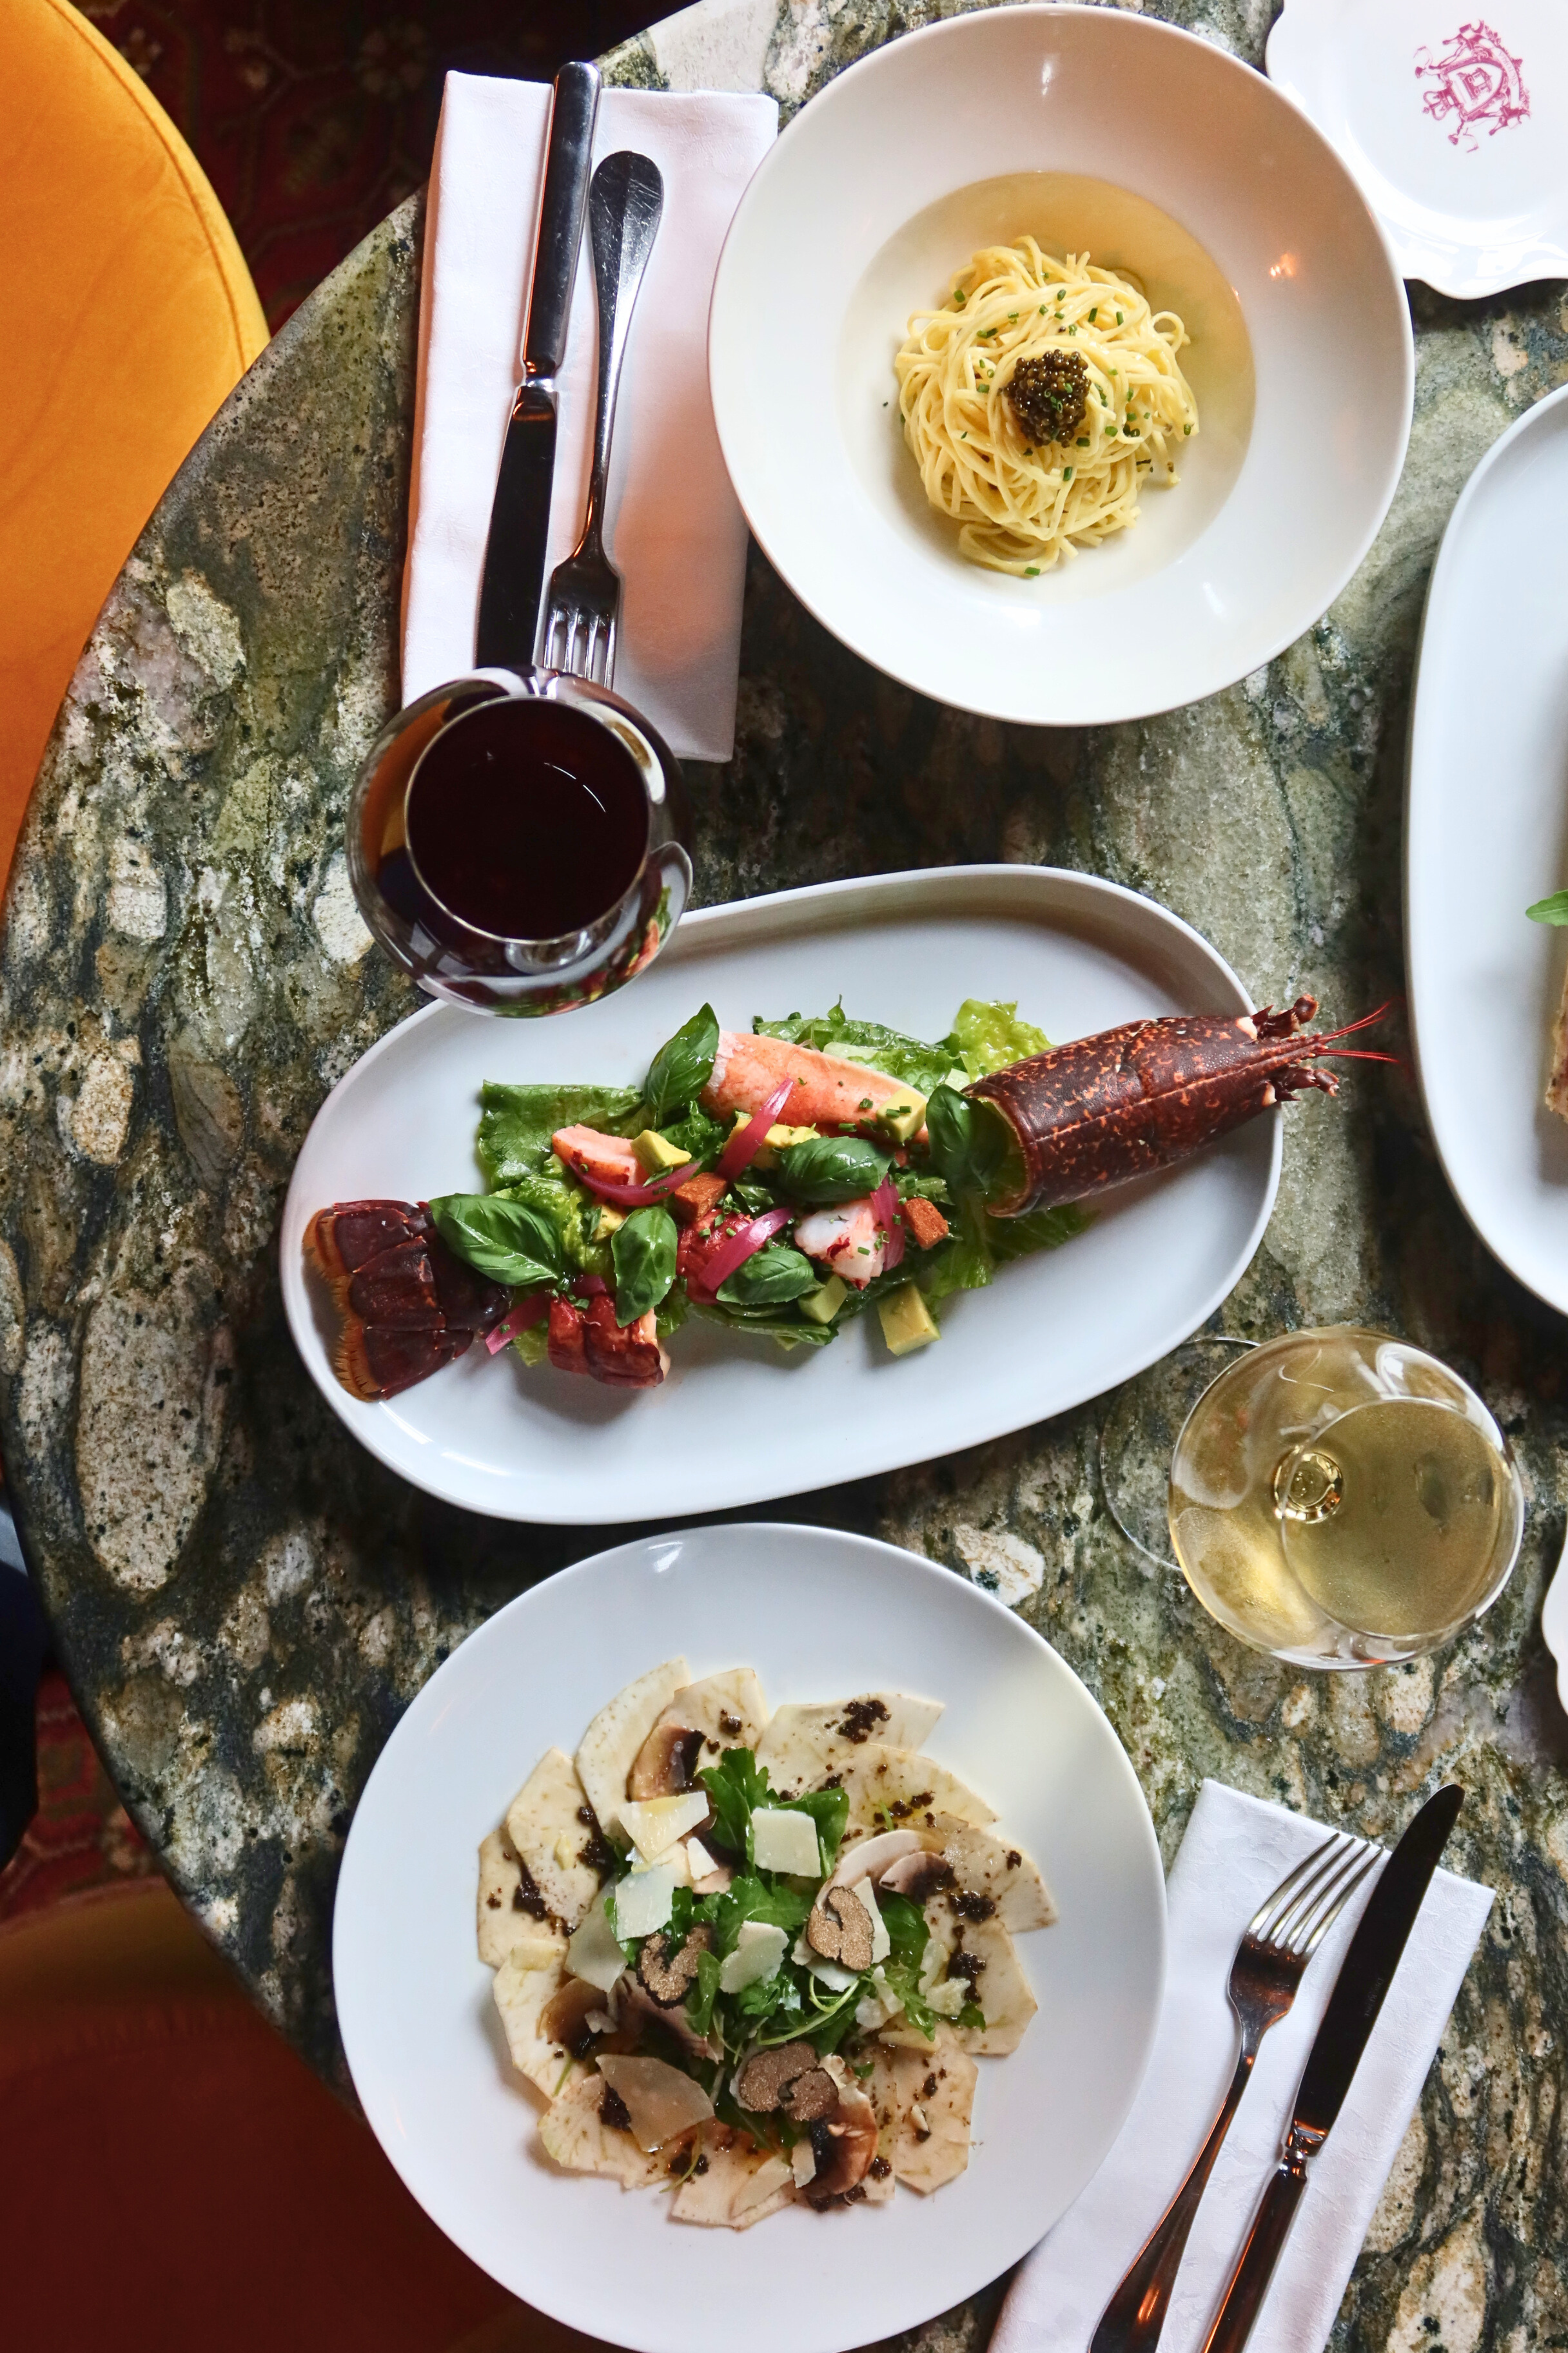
{"type": "Point", "coordinates": [1087, 128]}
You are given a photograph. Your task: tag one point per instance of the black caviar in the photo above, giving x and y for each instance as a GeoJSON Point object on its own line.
{"type": "Point", "coordinates": [1050, 395]}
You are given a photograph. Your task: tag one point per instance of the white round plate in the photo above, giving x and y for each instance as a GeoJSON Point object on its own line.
{"type": "Point", "coordinates": [1453, 123]}
{"type": "Point", "coordinates": [737, 1419]}
{"type": "Point", "coordinates": [1486, 836]}
{"type": "Point", "coordinates": [817, 1614]}
{"type": "Point", "coordinates": [1087, 127]}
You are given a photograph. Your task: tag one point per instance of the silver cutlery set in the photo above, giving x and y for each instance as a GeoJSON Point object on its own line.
{"type": "Point", "coordinates": [573, 626]}
{"type": "Point", "coordinates": [1276, 1945]}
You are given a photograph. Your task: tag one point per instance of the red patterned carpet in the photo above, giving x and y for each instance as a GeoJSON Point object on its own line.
{"type": "Point", "coordinates": [311, 119]}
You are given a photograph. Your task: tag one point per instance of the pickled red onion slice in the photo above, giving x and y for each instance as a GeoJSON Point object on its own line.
{"type": "Point", "coordinates": [747, 1141]}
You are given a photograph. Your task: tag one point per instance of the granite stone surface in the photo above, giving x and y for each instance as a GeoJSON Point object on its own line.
{"type": "Point", "coordinates": [245, 1602]}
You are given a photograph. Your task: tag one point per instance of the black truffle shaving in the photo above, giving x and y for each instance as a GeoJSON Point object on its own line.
{"type": "Point", "coordinates": [1051, 396]}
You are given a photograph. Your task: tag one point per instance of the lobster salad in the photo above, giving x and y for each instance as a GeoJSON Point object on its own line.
{"type": "Point", "coordinates": [751, 1959]}
{"type": "Point", "coordinates": [778, 1182]}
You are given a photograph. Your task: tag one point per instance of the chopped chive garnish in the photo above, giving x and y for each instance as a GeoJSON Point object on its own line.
{"type": "Point", "coordinates": [1031, 571]}
{"type": "Point", "coordinates": [1094, 314]}
{"type": "Point", "coordinates": [1066, 473]}
{"type": "Point", "coordinates": [1118, 318]}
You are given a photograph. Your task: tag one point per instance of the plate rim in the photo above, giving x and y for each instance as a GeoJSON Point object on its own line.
{"type": "Point", "coordinates": [1421, 723]}
{"type": "Point", "coordinates": [1117, 711]}
{"type": "Point", "coordinates": [1433, 261]}
{"type": "Point", "coordinates": [431, 1699]}
{"type": "Point", "coordinates": [909, 885]}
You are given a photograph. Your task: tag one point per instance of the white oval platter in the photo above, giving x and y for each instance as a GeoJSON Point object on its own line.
{"type": "Point", "coordinates": [1487, 835]}
{"type": "Point", "coordinates": [1453, 124]}
{"type": "Point", "coordinates": [818, 1614]}
{"type": "Point", "coordinates": [737, 1420]}
{"type": "Point", "coordinates": [952, 137]}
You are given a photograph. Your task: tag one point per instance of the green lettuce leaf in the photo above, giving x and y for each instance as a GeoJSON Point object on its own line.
{"type": "Point", "coordinates": [516, 1124]}
{"type": "Point", "coordinates": [987, 1038]}
{"type": "Point", "coordinates": [909, 1059]}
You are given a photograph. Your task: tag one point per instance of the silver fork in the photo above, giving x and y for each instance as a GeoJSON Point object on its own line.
{"type": "Point", "coordinates": [583, 611]}
{"type": "Point", "coordinates": [1276, 1946]}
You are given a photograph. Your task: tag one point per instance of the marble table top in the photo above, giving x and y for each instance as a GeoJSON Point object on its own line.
{"type": "Point", "coordinates": [245, 1602]}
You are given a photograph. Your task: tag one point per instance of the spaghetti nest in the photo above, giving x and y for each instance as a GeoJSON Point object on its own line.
{"type": "Point", "coordinates": [1037, 402]}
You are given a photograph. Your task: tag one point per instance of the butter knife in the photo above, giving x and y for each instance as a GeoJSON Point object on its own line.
{"type": "Point", "coordinates": [513, 575]}
{"type": "Point", "coordinates": [1364, 1977]}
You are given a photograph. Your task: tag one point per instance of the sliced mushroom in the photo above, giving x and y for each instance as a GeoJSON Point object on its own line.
{"type": "Point", "coordinates": [844, 2143]}
{"type": "Point", "coordinates": [919, 1876]}
{"type": "Point", "coordinates": [840, 1928]}
{"type": "Point", "coordinates": [639, 2010]}
{"type": "Point", "coordinates": [564, 2017]}
{"type": "Point", "coordinates": [669, 1974]}
{"type": "Point", "coordinates": [871, 1858]}
{"type": "Point", "coordinates": [665, 1764]}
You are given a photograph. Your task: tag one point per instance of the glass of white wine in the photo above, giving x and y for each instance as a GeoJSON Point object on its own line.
{"type": "Point", "coordinates": [1341, 1499]}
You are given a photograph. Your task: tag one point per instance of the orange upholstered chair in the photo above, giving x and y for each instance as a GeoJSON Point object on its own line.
{"type": "Point", "coordinates": [129, 316]}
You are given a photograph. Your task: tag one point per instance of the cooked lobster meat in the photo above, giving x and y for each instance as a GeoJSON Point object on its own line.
{"type": "Point", "coordinates": [408, 1304]}
{"type": "Point", "coordinates": [587, 1339]}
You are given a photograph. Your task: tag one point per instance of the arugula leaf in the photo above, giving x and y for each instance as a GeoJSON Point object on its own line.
{"type": "Point", "coordinates": [907, 1931]}
{"type": "Point", "coordinates": [1552, 910]}
{"type": "Point", "coordinates": [987, 1038]}
{"type": "Point", "coordinates": [704, 1992]}
{"type": "Point", "coordinates": [734, 1786]}
{"type": "Point", "coordinates": [829, 1809]}
{"type": "Point", "coordinates": [750, 1898]}
{"type": "Point", "coordinates": [682, 1067]}
{"type": "Point", "coordinates": [502, 1238]}
{"type": "Point", "coordinates": [768, 1278]}
{"type": "Point", "coordinates": [644, 1252]}
{"type": "Point", "coordinates": [516, 1124]}
{"type": "Point", "coordinates": [909, 1059]}
{"type": "Point", "coordinates": [829, 1168]}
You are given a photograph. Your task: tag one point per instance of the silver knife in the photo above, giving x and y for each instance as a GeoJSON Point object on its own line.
{"type": "Point", "coordinates": [520, 515]}
{"type": "Point", "coordinates": [1364, 1977]}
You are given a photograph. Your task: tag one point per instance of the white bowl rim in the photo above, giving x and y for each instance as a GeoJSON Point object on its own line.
{"type": "Point", "coordinates": [1115, 23]}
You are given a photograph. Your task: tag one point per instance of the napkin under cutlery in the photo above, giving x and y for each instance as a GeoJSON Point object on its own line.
{"type": "Point", "coordinates": [1235, 1850]}
{"type": "Point", "coordinates": [675, 529]}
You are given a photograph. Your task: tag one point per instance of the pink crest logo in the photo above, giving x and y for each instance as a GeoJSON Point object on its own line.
{"type": "Point", "coordinates": [1473, 81]}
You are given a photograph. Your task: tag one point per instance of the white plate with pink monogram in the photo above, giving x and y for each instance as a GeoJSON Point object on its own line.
{"type": "Point", "coordinates": [1453, 122]}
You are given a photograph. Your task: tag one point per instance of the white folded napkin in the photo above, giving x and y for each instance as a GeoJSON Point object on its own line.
{"type": "Point", "coordinates": [1235, 1850]}
{"type": "Point", "coordinates": [675, 531]}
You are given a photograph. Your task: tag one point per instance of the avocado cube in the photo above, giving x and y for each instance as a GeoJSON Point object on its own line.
{"type": "Point", "coordinates": [657, 1153]}
{"type": "Point", "coordinates": [902, 1116]}
{"type": "Point", "coordinates": [906, 1322]}
{"type": "Point", "coordinates": [823, 1304]}
{"type": "Point", "coordinates": [607, 1220]}
{"type": "Point", "coordinates": [775, 1141]}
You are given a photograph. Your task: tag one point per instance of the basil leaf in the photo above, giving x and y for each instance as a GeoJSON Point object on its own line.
{"type": "Point", "coordinates": [1553, 909]}
{"type": "Point", "coordinates": [830, 1168]}
{"type": "Point", "coordinates": [770, 1276]}
{"type": "Point", "coordinates": [644, 1253]}
{"type": "Point", "coordinates": [502, 1238]}
{"type": "Point", "coordinates": [967, 1141]}
{"type": "Point", "coordinates": [682, 1067]}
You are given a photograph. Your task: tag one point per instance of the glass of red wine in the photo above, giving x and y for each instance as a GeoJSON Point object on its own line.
{"type": "Point", "coordinates": [516, 840]}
